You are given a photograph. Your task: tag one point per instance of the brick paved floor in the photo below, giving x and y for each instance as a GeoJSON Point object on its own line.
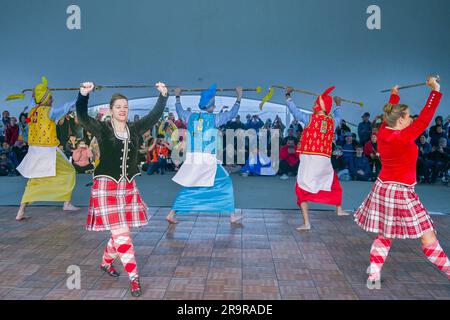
{"type": "Point", "coordinates": [205, 258]}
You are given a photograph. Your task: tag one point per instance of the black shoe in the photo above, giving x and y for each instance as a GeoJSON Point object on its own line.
{"type": "Point", "coordinates": [110, 270]}
{"type": "Point", "coordinates": [135, 288]}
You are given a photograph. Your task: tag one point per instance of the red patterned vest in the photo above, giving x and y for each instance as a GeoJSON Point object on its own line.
{"type": "Point", "coordinates": [317, 137]}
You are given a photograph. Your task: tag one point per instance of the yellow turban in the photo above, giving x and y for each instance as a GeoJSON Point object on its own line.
{"type": "Point", "coordinates": [41, 92]}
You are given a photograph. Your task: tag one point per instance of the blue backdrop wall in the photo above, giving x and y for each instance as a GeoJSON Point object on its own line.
{"type": "Point", "coordinates": [304, 43]}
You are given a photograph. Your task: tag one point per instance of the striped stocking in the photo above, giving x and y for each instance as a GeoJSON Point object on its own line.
{"type": "Point", "coordinates": [125, 249]}
{"type": "Point", "coordinates": [378, 255]}
{"type": "Point", "coordinates": [437, 256]}
{"type": "Point", "coordinates": [110, 254]}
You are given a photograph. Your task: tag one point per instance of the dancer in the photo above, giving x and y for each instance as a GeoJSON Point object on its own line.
{"type": "Point", "coordinates": [393, 209]}
{"type": "Point", "coordinates": [51, 175]}
{"type": "Point", "coordinates": [207, 186]}
{"type": "Point", "coordinates": [316, 179]}
{"type": "Point", "coordinates": [115, 203]}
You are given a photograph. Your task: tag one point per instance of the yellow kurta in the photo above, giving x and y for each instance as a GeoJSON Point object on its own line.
{"type": "Point", "coordinates": [50, 179]}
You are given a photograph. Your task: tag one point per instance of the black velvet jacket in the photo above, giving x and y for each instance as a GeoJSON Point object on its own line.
{"type": "Point", "coordinates": [118, 157]}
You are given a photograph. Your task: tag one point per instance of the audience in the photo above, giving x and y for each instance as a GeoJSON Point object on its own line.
{"type": "Point", "coordinates": [349, 147]}
{"type": "Point", "coordinates": [439, 159]}
{"type": "Point", "coordinates": [423, 164]}
{"type": "Point", "coordinates": [12, 132]}
{"type": "Point", "coordinates": [23, 128]}
{"type": "Point", "coordinates": [290, 136]}
{"type": "Point", "coordinates": [359, 166]}
{"type": "Point", "coordinates": [82, 157]}
{"type": "Point", "coordinates": [339, 164]}
{"type": "Point", "coordinates": [437, 135]}
{"type": "Point", "coordinates": [70, 146]}
{"type": "Point", "coordinates": [364, 129]}
{"type": "Point", "coordinates": [157, 155]}
{"type": "Point", "coordinates": [289, 159]}
{"type": "Point", "coordinates": [371, 152]}
{"type": "Point", "coordinates": [353, 158]}
{"type": "Point", "coordinates": [437, 122]}
{"type": "Point", "coordinates": [6, 166]}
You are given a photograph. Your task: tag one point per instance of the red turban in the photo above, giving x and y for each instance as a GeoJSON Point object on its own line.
{"type": "Point", "coordinates": [324, 101]}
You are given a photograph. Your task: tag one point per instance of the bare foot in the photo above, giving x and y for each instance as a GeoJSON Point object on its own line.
{"type": "Point", "coordinates": [70, 207]}
{"type": "Point", "coordinates": [235, 219]}
{"type": "Point", "coordinates": [304, 227]}
{"type": "Point", "coordinates": [341, 212]}
{"type": "Point", "coordinates": [171, 218]}
{"type": "Point", "coordinates": [21, 216]}
{"type": "Point", "coordinates": [21, 213]}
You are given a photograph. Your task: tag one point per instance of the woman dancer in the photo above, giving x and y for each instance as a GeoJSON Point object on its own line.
{"type": "Point", "coordinates": [116, 204]}
{"type": "Point", "coordinates": [393, 209]}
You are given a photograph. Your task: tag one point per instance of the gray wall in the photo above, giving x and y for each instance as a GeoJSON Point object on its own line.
{"type": "Point", "coordinates": [309, 44]}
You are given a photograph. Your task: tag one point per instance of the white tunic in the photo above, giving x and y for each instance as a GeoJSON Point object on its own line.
{"type": "Point", "coordinates": [315, 173]}
{"type": "Point", "coordinates": [198, 170]}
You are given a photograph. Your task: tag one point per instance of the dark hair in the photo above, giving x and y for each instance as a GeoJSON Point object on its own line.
{"type": "Point", "coordinates": [359, 146]}
{"type": "Point", "coordinates": [115, 97]}
{"type": "Point", "coordinates": [160, 136]}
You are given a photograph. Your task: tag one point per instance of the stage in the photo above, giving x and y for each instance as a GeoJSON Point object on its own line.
{"type": "Point", "coordinates": [250, 193]}
{"type": "Point", "coordinates": [205, 258]}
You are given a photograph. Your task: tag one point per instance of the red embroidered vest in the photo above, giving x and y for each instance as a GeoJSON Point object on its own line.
{"type": "Point", "coordinates": [317, 137]}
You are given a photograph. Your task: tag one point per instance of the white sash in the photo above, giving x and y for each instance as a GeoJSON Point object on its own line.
{"type": "Point", "coordinates": [315, 173]}
{"type": "Point", "coordinates": [198, 170]}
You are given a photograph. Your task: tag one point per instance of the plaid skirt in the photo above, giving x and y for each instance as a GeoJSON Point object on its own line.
{"type": "Point", "coordinates": [115, 205]}
{"type": "Point", "coordinates": [395, 211]}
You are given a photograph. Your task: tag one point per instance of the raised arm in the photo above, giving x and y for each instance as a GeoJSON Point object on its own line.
{"type": "Point", "coordinates": [57, 112]}
{"type": "Point", "coordinates": [419, 125]}
{"type": "Point", "coordinates": [152, 118]}
{"type": "Point", "coordinates": [182, 114]}
{"type": "Point", "coordinates": [90, 124]}
{"type": "Point", "coordinates": [298, 114]}
{"type": "Point", "coordinates": [337, 113]}
{"type": "Point", "coordinates": [224, 117]}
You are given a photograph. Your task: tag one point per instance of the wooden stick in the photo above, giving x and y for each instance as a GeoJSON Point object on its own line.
{"type": "Point", "coordinates": [100, 87]}
{"type": "Point", "coordinates": [407, 86]}
{"type": "Point", "coordinates": [316, 94]}
{"type": "Point", "coordinates": [414, 85]}
{"type": "Point", "coordinates": [257, 89]}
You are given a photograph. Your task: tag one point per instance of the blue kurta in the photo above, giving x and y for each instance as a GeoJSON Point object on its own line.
{"type": "Point", "coordinates": [219, 198]}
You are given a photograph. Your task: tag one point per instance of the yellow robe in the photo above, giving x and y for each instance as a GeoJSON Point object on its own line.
{"type": "Point", "coordinates": [58, 183]}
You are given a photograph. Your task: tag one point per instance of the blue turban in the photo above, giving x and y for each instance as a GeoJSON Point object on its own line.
{"type": "Point", "coordinates": [207, 98]}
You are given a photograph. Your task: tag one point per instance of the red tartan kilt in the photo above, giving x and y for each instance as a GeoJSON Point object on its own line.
{"type": "Point", "coordinates": [394, 211]}
{"type": "Point", "coordinates": [115, 205]}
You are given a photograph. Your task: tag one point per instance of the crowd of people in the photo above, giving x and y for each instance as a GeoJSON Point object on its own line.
{"type": "Point", "coordinates": [355, 155]}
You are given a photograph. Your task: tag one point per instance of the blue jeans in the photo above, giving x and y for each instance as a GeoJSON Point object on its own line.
{"type": "Point", "coordinates": [154, 166]}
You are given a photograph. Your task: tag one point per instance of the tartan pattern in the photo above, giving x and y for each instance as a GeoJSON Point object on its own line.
{"type": "Point", "coordinates": [115, 205]}
{"type": "Point", "coordinates": [125, 250]}
{"type": "Point", "coordinates": [110, 253]}
{"type": "Point", "coordinates": [378, 255]}
{"type": "Point", "coordinates": [437, 256]}
{"type": "Point", "coordinates": [394, 211]}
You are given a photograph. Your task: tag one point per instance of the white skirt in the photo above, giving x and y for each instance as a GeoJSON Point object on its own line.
{"type": "Point", "coordinates": [315, 173]}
